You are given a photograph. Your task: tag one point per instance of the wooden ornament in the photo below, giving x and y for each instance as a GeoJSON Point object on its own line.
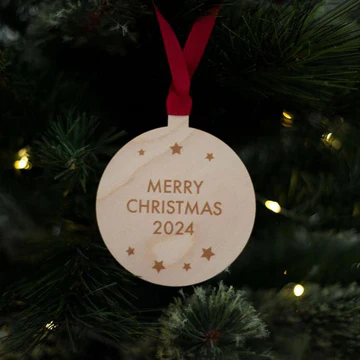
{"type": "Point", "coordinates": [176, 205]}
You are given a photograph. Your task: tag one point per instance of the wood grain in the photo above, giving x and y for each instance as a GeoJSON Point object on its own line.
{"type": "Point", "coordinates": [176, 205]}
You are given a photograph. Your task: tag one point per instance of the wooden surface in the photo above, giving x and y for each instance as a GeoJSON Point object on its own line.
{"type": "Point", "coordinates": [176, 205]}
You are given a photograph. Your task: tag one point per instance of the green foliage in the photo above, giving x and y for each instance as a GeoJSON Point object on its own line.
{"type": "Point", "coordinates": [70, 149]}
{"type": "Point", "coordinates": [50, 349]}
{"type": "Point", "coordinates": [323, 323]}
{"type": "Point", "coordinates": [324, 257]}
{"type": "Point", "coordinates": [4, 63]}
{"type": "Point", "coordinates": [300, 54]}
{"type": "Point", "coordinates": [323, 199]}
{"type": "Point", "coordinates": [296, 52]}
{"type": "Point", "coordinates": [290, 51]}
{"type": "Point", "coordinates": [110, 25]}
{"type": "Point", "coordinates": [312, 169]}
{"type": "Point", "coordinates": [212, 323]}
{"type": "Point", "coordinates": [14, 86]}
{"type": "Point", "coordinates": [77, 291]}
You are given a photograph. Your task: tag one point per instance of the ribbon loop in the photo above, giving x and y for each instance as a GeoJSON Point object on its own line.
{"type": "Point", "coordinates": [184, 63]}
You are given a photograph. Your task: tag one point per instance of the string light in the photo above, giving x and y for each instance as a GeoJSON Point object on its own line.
{"type": "Point", "coordinates": [287, 119]}
{"type": "Point", "coordinates": [23, 162]}
{"type": "Point", "coordinates": [298, 290]}
{"type": "Point", "coordinates": [273, 206]}
{"type": "Point", "coordinates": [285, 272]}
{"type": "Point", "coordinates": [22, 152]}
{"type": "Point", "coordinates": [330, 140]}
{"type": "Point", "coordinates": [287, 115]}
{"type": "Point", "coordinates": [51, 326]}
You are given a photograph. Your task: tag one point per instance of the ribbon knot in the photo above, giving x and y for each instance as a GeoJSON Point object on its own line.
{"type": "Point", "coordinates": [183, 63]}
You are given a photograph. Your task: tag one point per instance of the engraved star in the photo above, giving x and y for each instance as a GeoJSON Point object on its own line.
{"type": "Point", "coordinates": [176, 149]}
{"type": "Point", "coordinates": [141, 152]}
{"type": "Point", "coordinates": [187, 266]}
{"type": "Point", "coordinates": [130, 251]}
{"type": "Point", "coordinates": [207, 253]}
{"type": "Point", "coordinates": [210, 156]}
{"type": "Point", "coordinates": [158, 266]}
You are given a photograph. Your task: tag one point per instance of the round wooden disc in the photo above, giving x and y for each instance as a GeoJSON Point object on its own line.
{"type": "Point", "coordinates": [175, 206]}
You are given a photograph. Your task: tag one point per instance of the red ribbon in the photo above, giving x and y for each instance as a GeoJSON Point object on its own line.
{"type": "Point", "coordinates": [184, 63]}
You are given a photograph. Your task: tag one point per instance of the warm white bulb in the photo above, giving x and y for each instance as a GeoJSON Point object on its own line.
{"type": "Point", "coordinates": [328, 136]}
{"type": "Point", "coordinates": [298, 290]}
{"type": "Point", "coordinates": [23, 162]}
{"type": "Point", "coordinates": [22, 152]}
{"type": "Point", "coordinates": [273, 206]}
{"type": "Point", "coordinates": [20, 164]}
{"type": "Point", "coordinates": [51, 325]}
{"type": "Point", "coordinates": [287, 115]}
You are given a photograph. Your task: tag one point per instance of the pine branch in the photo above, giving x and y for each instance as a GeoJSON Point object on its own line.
{"type": "Point", "coordinates": [78, 291]}
{"type": "Point", "coordinates": [106, 24]}
{"type": "Point", "coordinates": [290, 51]}
{"type": "Point", "coordinates": [312, 169]}
{"type": "Point", "coordinates": [209, 324]}
{"type": "Point", "coordinates": [70, 149]}
{"type": "Point", "coordinates": [323, 322]}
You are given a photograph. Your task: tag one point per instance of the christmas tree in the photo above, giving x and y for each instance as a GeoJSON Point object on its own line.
{"type": "Point", "coordinates": [278, 83]}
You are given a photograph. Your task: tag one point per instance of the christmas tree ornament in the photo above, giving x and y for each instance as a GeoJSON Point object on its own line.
{"type": "Point", "coordinates": [176, 205]}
